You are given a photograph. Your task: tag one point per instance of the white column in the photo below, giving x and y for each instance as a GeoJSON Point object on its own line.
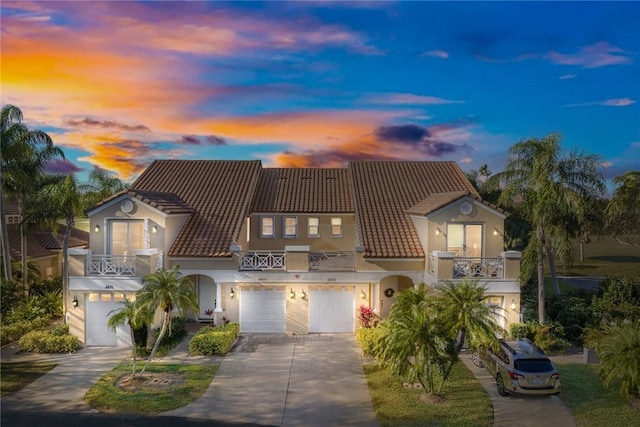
{"type": "Point", "coordinates": [218, 308]}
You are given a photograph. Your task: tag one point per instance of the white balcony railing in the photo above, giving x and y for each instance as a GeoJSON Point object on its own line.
{"type": "Point", "coordinates": [332, 261]}
{"type": "Point", "coordinates": [262, 260]}
{"type": "Point", "coordinates": [484, 268]}
{"type": "Point", "coordinates": [111, 265]}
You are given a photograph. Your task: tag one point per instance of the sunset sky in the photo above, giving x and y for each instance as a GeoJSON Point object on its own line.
{"type": "Point", "coordinates": [118, 84]}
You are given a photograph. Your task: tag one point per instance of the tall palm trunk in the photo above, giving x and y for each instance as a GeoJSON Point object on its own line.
{"type": "Point", "coordinates": [65, 264]}
{"type": "Point", "coordinates": [134, 351]}
{"type": "Point", "coordinates": [163, 330]}
{"type": "Point", "coordinates": [23, 246]}
{"type": "Point", "coordinates": [6, 251]}
{"type": "Point", "coordinates": [552, 267]}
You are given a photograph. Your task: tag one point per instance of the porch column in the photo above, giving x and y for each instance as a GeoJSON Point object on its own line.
{"type": "Point", "coordinates": [218, 308]}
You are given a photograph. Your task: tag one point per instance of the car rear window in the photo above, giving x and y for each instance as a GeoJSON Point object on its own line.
{"type": "Point", "coordinates": [533, 365]}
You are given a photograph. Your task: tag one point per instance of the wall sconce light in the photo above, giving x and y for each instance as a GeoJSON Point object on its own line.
{"type": "Point", "coordinates": [232, 294]}
{"type": "Point", "coordinates": [97, 229]}
{"type": "Point", "coordinates": [513, 305]}
{"type": "Point", "coordinates": [304, 294]}
{"type": "Point", "coordinates": [154, 229]}
{"type": "Point", "coordinates": [75, 302]}
{"type": "Point", "coordinates": [439, 232]}
{"type": "Point", "coordinates": [292, 294]}
{"type": "Point", "coordinates": [363, 295]}
{"type": "Point", "coordinates": [497, 232]}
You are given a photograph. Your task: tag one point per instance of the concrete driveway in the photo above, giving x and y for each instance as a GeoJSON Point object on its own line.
{"type": "Point", "coordinates": [278, 380]}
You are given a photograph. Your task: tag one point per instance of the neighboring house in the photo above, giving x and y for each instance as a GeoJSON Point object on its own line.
{"type": "Point", "coordinates": [283, 250]}
{"type": "Point", "coordinates": [44, 247]}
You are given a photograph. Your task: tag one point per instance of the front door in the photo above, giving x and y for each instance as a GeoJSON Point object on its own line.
{"type": "Point", "coordinates": [465, 240]}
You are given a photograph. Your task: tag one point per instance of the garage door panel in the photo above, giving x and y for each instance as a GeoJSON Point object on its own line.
{"type": "Point", "coordinates": [331, 311]}
{"type": "Point", "coordinates": [262, 311]}
{"type": "Point", "coordinates": [98, 332]}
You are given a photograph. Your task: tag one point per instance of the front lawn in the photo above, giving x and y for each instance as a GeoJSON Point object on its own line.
{"type": "Point", "coordinates": [466, 404]}
{"type": "Point", "coordinates": [167, 387]}
{"type": "Point", "coordinates": [17, 375]}
{"type": "Point", "coordinates": [591, 404]}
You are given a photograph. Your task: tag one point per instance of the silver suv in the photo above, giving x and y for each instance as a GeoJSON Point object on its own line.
{"type": "Point", "coordinates": [519, 366]}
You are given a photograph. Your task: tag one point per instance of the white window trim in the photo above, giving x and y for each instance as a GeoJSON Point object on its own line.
{"type": "Point", "coordinates": [284, 227]}
{"type": "Point", "coordinates": [273, 228]}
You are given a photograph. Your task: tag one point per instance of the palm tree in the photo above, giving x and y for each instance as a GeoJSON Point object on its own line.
{"type": "Point", "coordinates": [619, 354]}
{"type": "Point", "coordinates": [33, 272]}
{"type": "Point", "coordinates": [414, 344]}
{"type": "Point", "coordinates": [553, 193]}
{"type": "Point", "coordinates": [25, 153]}
{"type": "Point", "coordinates": [166, 290]}
{"type": "Point", "coordinates": [135, 317]}
{"type": "Point", "coordinates": [623, 210]}
{"type": "Point", "coordinates": [101, 185]}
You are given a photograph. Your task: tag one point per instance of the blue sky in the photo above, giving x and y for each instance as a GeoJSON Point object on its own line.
{"type": "Point", "coordinates": [317, 84]}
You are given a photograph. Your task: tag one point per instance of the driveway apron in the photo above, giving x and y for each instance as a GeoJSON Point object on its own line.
{"type": "Point", "coordinates": [521, 411]}
{"type": "Point", "coordinates": [281, 380]}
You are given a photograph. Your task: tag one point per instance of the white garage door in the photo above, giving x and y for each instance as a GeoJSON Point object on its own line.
{"type": "Point", "coordinates": [98, 333]}
{"type": "Point", "coordinates": [262, 311]}
{"type": "Point", "coordinates": [332, 310]}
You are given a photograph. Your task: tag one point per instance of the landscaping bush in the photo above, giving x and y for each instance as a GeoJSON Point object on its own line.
{"type": "Point", "coordinates": [209, 341]}
{"type": "Point", "coordinates": [171, 338]}
{"type": "Point", "coordinates": [13, 331]}
{"type": "Point", "coordinates": [367, 338]}
{"type": "Point", "coordinates": [549, 338]}
{"type": "Point", "coordinates": [519, 330]}
{"type": "Point", "coordinates": [47, 342]}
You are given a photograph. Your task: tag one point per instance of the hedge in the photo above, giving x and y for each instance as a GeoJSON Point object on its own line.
{"type": "Point", "coordinates": [48, 342]}
{"type": "Point", "coordinates": [13, 331]}
{"type": "Point", "coordinates": [367, 338]}
{"type": "Point", "coordinates": [210, 341]}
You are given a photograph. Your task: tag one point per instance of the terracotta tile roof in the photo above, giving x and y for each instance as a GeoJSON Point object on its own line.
{"type": "Point", "coordinates": [303, 191]}
{"type": "Point", "coordinates": [439, 200]}
{"type": "Point", "coordinates": [384, 191]}
{"type": "Point", "coordinates": [44, 243]}
{"type": "Point", "coordinates": [218, 191]}
{"type": "Point", "coordinates": [168, 203]}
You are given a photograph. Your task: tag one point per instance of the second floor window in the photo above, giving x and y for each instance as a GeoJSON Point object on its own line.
{"type": "Point", "coordinates": [314, 227]}
{"type": "Point", "coordinates": [266, 226]}
{"type": "Point", "coordinates": [336, 227]}
{"type": "Point", "coordinates": [290, 226]}
{"type": "Point", "coordinates": [126, 236]}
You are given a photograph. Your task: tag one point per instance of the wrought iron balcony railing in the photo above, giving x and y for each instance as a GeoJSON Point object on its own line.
{"type": "Point", "coordinates": [484, 268]}
{"type": "Point", "coordinates": [262, 260]}
{"type": "Point", "coordinates": [332, 261]}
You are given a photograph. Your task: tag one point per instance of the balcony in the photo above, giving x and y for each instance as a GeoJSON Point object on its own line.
{"type": "Point", "coordinates": [145, 261]}
{"type": "Point", "coordinates": [262, 260]}
{"type": "Point", "coordinates": [332, 261]}
{"type": "Point", "coordinates": [447, 266]}
{"type": "Point", "coordinates": [297, 258]}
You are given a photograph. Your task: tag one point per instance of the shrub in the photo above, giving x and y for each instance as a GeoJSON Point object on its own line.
{"type": "Point", "coordinates": [367, 317]}
{"type": "Point", "coordinates": [619, 354]}
{"type": "Point", "coordinates": [367, 338]}
{"type": "Point", "coordinates": [13, 332]}
{"type": "Point", "coordinates": [519, 330]}
{"type": "Point", "coordinates": [60, 330]}
{"type": "Point", "coordinates": [211, 340]}
{"type": "Point", "coordinates": [47, 342]}
{"type": "Point", "coordinates": [549, 338]}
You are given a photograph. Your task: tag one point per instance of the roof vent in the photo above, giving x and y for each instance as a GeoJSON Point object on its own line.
{"type": "Point", "coordinates": [126, 206]}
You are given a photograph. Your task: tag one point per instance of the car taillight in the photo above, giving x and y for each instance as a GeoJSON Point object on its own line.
{"type": "Point", "coordinates": [555, 376]}
{"type": "Point", "coordinates": [515, 376]}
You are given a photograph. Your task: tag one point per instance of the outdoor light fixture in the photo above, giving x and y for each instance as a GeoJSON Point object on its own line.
{"type": "Point", "coordinates": [304, 294]}
{"type": "Point", "coordinates": [292, 294]}
{"type": "Point", "coordinates": [97, 229]}
{"type": "Point", "coordinates": [513, 305]}
{"type": "Point", "coordinates": [232, 294]}
{"type": "Point", "coordinates": [496, 232]}
{"type": "Point", "coordinates": [75, 302]}
{"type": "Point", "coordinates": [439, 232]}
{"type": "Point", "coordinates": [363, 294]}
{"type": "Point", "coordinates": [154, 230]}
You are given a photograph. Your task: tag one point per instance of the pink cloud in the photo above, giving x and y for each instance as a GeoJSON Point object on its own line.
{"type": "Point", "coordinates": [595, 55]}
{"type": "Point", "coordinates": [617, 102]}
{"type": "Point", "coordinates": [408, 99]}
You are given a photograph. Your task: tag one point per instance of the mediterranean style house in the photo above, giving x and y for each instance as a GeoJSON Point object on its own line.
{"type": "Point", "coordinates": [284, 250]}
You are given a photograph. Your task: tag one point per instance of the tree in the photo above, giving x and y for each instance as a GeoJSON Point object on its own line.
{"type": "Point", "coordinates": [25, 153]}
{"type": "Point", "coordinates": [414, 343]}
{"type": "Point", "coordinates": [166, 290]}
{"type": "Point", "coordinates": [619, 354]}
{"type": "Point", "coordinates": [554, 194]}
{"type": "Point", "coordinates": [133, 315]}
{"type": "Point", "coordinates": [623, 211]}
{"type": "Point", "coordinates": [101, 185]}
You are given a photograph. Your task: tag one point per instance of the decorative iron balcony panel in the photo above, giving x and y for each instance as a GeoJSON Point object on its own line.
{"type": "Point", "coordinates": [111, 265]}
{"type": "Point", "coordinates": [483, 268]}
{"type": "Point", "coordinates": [262, 260]}
{"type": "Point", "coordinates": [332, 261]}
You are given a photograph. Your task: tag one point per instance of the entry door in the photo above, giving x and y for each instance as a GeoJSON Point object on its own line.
{"type": "Point", "coordinates": [465, 240]}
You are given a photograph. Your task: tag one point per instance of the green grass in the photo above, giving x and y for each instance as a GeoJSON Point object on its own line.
{"type": "Point", "coordinates": [466, 404]}
{"type": "Point", "coordinates": [17, 375]}
{"type": "Point", "coordinates": [591, 403]}
{"type": "Point", "coordinates": [107, 397]}
{"type": "Point", "coordinates": [604, 257]}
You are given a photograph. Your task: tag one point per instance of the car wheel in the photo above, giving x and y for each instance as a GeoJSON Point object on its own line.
{"type": "Point", "coordinates": [477, 360]}
{"type": "Point", "coordinates": [502, 390]}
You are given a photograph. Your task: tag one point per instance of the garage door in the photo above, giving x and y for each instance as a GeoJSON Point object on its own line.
{"type": "Point", "coordinates": [262, 310]}
{"type": "Point", "coordinates": [98, 333]}
{"type": "Point", "coordinates": [332, 310]}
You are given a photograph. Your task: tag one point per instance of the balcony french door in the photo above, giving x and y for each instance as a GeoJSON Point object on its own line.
{"type": "Point", "coordinates": [126, 236]}
{"type": "Point", "coordinates": [465, 240]}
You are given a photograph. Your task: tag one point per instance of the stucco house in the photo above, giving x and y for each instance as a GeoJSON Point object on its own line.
{"type": "Point", "coordinates": [284, 250]}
